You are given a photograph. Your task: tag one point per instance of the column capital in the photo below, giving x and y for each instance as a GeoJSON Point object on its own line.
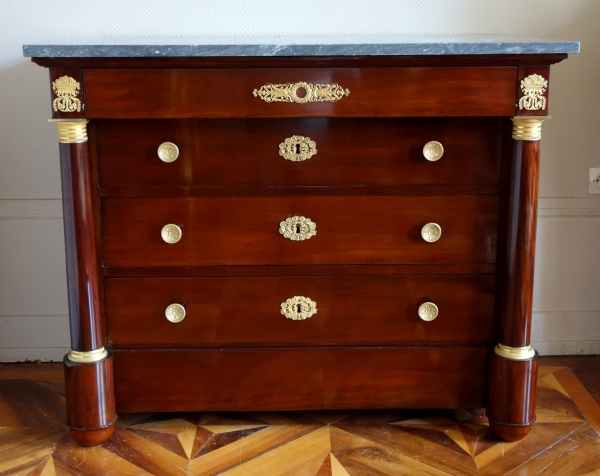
{"type": "Point", "coordinates": [71, 131]}
{"type": "Point", "coordinates": [528, 127]}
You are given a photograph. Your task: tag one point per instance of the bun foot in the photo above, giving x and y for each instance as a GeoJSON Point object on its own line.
{"type": "Point", "coordinates": [93, 437]}
{"type": "Point", "coordinates": [507, 432]}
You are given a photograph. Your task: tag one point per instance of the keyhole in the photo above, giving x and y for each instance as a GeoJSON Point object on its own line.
{"type": "Point", "coordinates": [297, 148]}
{"type": "Point", "coordinates": [298, 308]}
{"type": "Point", "coordinates": [298, 228]}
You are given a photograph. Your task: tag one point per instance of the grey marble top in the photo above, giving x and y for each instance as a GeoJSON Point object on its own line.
{"type": "Point", "coordinates": [299, 46]}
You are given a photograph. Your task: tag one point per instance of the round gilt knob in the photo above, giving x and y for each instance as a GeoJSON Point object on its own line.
{"type": "Point", "coordinates": [168, 152]}
{"type": "Point", "coordinates": [428, 311]}
{"type": "Point", "coordinates": [433, 151]}
{"type": "Point", "coordinates": [175, 312]}
{"type": "Point", "coordinates": [170, 233]}
{"type": "Point", "coordinates": [431, 232]}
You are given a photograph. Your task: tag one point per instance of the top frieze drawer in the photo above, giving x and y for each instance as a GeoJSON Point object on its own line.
{"type": "Point", "coordinates": [300, 92]}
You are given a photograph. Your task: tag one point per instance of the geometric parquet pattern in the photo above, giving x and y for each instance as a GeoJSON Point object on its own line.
{"type": "Point", "coordinates": [34, 440]}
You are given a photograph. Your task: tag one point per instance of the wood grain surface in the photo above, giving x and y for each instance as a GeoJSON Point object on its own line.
{"type": "Point", "coordinates": [278, 379]}
{"type": "Point", "coordinates": [302, 191]}
{"type": "Point", "coordinates": [300, 270]}
{"type": "Point", "coordinates": [80, 217]}
{"type": "Point", "coordinates": [350, 230]}
{"type": "Point", "coordinates": [226, 93]}
{"type": "Point", "coordinates": [351, 310]}
{"type": "Point", "coordinates": [245, 152]}
{"type": "Point", "coordinates": [518, 260]}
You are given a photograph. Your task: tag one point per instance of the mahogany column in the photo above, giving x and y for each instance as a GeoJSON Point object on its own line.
{"type": "Point", "coordinates": [513, 370]}
{"type": "Point", "coordinates": [88, 367]}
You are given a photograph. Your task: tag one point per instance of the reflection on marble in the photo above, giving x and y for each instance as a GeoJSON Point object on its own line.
{"type": "Point", "coordinates": [300, 46]}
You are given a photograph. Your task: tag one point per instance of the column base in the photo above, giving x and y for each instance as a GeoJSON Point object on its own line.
{"type": "Point", "coordinates": [508, 432]}
{"type": "Point", "coordinates": [92, 437]}
{"type": "Point", "coordinates": [90, 400]}
{"type": "Point", "coordinates": [511, 399]}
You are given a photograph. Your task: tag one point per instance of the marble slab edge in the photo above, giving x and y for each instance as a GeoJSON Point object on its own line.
{"type": "Point", "coordinates": [381, 49]}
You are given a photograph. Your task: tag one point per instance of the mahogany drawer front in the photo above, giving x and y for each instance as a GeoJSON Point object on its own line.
{"type": "Point", "coordinates": [349, 230]}
{"type": "Point", "coordinates": [300, 379]}
{"type": "Point", "coordinates": [238, 152]}
{"type": "Point", "coordinates": [351, 310]}
{"type": "Point", "coordinates": [228, 92]}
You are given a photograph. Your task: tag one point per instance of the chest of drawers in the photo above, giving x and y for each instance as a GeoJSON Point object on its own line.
{"type": "Point", "coordinates": [300, 232]}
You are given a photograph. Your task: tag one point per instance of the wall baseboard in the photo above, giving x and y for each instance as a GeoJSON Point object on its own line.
{"type": "Point", "coordinates": [566, 332]}
{"type": "Point", "coordinates": [34, 354]}
{"type": "Point", "coordinates": [579, 347]}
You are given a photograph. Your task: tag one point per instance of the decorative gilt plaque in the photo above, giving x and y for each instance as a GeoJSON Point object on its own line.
{"type": "Point", "coordinates": [533, 86]}
{"type": "Point", "coordinates": [298, 308]}
{"type": "Point", "coordinates": [66, 90]}
{"type": "Point", "coordinates": [297, 148]}
{"type": "Point", "coordinates": [312, 92]}
{"type": "Point", "coordinates": [298, 228]}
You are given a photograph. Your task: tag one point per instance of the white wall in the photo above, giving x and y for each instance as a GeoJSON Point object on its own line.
{"type": "Point", "coordinates": [33, 304]}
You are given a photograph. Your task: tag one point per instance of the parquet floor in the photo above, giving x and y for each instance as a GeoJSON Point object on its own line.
{"type": "Point", "coordinates": [564, 441]}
